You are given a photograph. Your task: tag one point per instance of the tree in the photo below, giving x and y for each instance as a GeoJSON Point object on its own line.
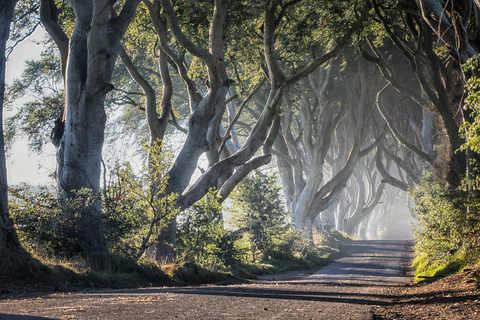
{"type": "Point", "coordinates": [324, 134]}
{"type": "Point", "coordinates": [15, 260]}
{"type": "Point", "coordinates": [259, 211]}
{"type": "Point", "coordinates": [88, 59]}
{"type": "Point", "coordinates": [438, 82]}
{"type": "Point", "coordinates": [204, 131]}
{"type": "Point", "coordinates": [90, 55]}
{"type": "Point", "coordinates": [368, 194]}
{"type": "Point", "coordinates": [450, 21]}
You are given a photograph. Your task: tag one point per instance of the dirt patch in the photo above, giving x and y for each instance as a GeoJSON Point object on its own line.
{"type": "Point", "coordinates": [453, 297]}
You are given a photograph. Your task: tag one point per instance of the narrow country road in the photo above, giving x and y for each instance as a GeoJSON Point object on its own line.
{"type": "Point", "coordinates": [348, 288]}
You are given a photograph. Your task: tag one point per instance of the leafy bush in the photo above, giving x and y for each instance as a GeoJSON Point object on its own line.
{"type": "Point", "coordinates": [199, 231]}
{"type": "Point", "coordinates": [134, 210]}
{"type": "Point", "coordinates": [201, 237]}
{"type": "Point", "coordinates": [448, 226]}
{"type": "Point", "coordinates": [258, 209]}
{"type": "Point", "coordinates": [48, 225]}
{"type": "Point", "coordinates": [470, 131]}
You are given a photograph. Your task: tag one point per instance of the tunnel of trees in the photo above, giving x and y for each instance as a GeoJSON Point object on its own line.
{"type": "Point", "coordinates": [292, 116]}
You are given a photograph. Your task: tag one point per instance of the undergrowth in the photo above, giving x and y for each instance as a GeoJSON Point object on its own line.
{"type": "Point", "coordinates": [74, 272]}
{"type": "Point", "coordinates": [448, 231]}
{"type": "Point", "coordinates": [263, 242]}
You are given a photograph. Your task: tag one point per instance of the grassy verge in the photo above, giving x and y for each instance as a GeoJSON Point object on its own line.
{"type": "Point", "coordinates": [327, 244]}
{"type": "Point", "coordinates": [456, 263]}
{"type": "Point", "coordinates": [74, 274]}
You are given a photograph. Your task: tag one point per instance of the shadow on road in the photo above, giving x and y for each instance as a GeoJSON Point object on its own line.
{"type": "Point", "coordinates": [19, 317]}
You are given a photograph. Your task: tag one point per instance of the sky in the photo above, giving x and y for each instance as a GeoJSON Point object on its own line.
{"type": "Point", "coordinates": [22, 164]}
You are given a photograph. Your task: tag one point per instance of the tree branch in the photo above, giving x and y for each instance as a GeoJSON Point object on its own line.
{"type": "Point", "coordinates": [237, 115]}
{"type": "Point", "coordinates": [393, 129]}
{"type": "Point", "coordinates": [386, 176]}
{"type": "Point", "coordinates": [49, 19]}
{"type": "Point", "coordinates": [333, 53]}
{"type": "Point", "coordinates": [182, 39]}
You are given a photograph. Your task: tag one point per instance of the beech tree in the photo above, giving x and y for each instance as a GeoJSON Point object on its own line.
{"type": "Point", "coordinates": [204, 127]}
{"type": "Point", "coordinates": [415, 28]}
{"type": "Point", "coordinates": [368, 191]}
{"type": "Point", "coordinates": [15, 260]}
{"type": "Point", "coordinates": [88, 59]}
{"type": "Point", "coordinates": [323, 136]}
{"type": "Point", "coordinates": [222, 49]}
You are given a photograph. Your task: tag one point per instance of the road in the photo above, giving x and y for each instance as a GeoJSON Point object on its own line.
{"type": "Point", "coordinates": [365, 275]}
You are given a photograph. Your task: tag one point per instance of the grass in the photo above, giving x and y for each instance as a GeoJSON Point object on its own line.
{"type": "Point", "coordinates": [425, 270]}
{"type": "Point", "coordinates": [69, 274]}
{"type": "Point", "coordinates": [327, 244]}
{"type": "Point", "coordinates": [118, 272]}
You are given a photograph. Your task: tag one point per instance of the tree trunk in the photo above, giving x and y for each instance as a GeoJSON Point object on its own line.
{"type": "Point", "coordinates": [15, 262]}
{"type": "Point", "coordinates": [91, 54]}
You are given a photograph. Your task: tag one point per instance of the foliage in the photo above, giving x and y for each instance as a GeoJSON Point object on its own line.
{"type": "Point", "coordinates": [48, 225]}
{"type": "Point", "coordinates": [134, 210]}
{"type": "Point", "coordinates": [200, 230]}
{"type": "Point", "coordinates": [207, 252]}
{"type": "Point", "coordinates": [304, 256]}
{"type": "Point", "coordinates": [261, 221]}
{"type": "Point", "coordinates": [25, 21]}
{"type": "Point", "coordinates": [41, 90]}
{"type": "Point", "coordinates": [449, 220]}
{"type": "Point", "coordinates": [259, 209]}
{"type": "Point", "coordinates": [470, 131]}
{"type": "Point", "coordinates": [139, 199]}
{"type": "Point", "coordinates": [193, 273]}
{"type": "Point", "coordinates": [448, 226]}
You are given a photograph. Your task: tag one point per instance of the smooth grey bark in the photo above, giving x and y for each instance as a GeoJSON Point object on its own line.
{"type": "Point", "coordinates": [157, 123]}
{"type": "Point", "coordinates": [424, 134]}
{"type": "Point", "coordinates": [319, 156]}
{"type": "Point", "coordinates": [366, 178]}
{"type": "Point", "coordinates": [89, 58]}
{"type": "Point", "coordinates": [8, 237]}
{"type": "Point", "coordinates": [92, 52]}
{"type": "Point", "coordinates": [15, 261]}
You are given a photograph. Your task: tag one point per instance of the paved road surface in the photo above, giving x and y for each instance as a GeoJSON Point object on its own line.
{"type": "Point", "coordinates": [362, 277]}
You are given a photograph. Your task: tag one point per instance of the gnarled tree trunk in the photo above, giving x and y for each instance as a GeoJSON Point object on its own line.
{"type": "Point", "coordinates": [15, 262]}
{"type": "Point", "coordinates": [88, 60]}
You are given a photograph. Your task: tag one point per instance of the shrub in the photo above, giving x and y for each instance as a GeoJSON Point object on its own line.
{"type": "Point", "coordinates": [448, 225]}
{"type": "Point", "coordinates": [48, 225]}
{"type": "Point", "coordinates": [135, 209]}
{"type": "Point", "coordinates": [201, 237]}
{"type": "Point", "coordinates": [258, 208]}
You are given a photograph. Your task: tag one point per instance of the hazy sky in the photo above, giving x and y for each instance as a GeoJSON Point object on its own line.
{"type": "Point", "coordinates": [23, 165]}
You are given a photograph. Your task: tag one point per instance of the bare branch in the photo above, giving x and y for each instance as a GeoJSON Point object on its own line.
{"type": "Point", "coordinates": [240, 109]}
{"type": "Point", "coordinates": [394, 130]}
{"type": "Point", "coordinates": [49, 19]}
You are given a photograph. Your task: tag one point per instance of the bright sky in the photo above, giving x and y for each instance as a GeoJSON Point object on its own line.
{"type": "Point", "coordinates": [22, 164]}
